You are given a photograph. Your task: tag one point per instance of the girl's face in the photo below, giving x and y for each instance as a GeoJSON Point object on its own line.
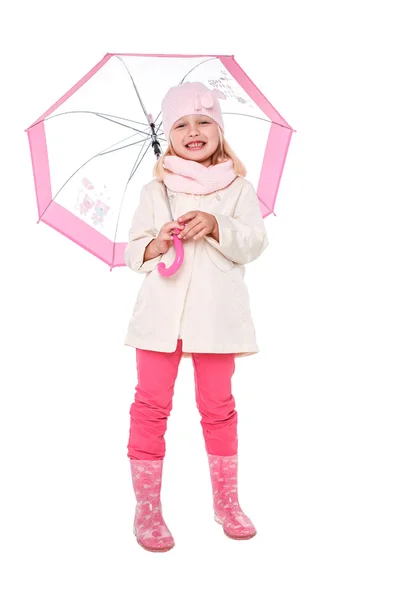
{"type": "Point", "coordinates": [195, 137]}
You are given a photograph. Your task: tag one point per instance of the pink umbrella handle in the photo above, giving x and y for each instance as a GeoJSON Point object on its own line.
{"type": "Point", "coordinates": [178, 245]}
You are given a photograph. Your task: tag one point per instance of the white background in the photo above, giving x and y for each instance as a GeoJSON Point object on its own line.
{"type": "Point", "coordinates": [318, 406]}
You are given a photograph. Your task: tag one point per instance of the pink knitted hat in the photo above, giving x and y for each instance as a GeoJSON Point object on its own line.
{"type": "Point", "coordinates": [190, 99]}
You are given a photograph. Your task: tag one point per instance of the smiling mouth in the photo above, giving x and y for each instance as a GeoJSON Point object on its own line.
{"type": "Point", "coordinates": [195, 145]}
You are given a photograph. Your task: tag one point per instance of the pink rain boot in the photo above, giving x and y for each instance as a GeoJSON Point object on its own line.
{"type": "Point", "coordinates": [227, 511]}
{"type": "Point", "coordinates": [149, 526]}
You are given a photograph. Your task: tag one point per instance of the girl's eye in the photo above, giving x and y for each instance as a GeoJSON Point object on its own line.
{"type": "Point", "coordinates": [184, 124]}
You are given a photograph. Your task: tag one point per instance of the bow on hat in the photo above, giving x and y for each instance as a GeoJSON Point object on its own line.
{"type": "Point", "coordinates": [206, 99]}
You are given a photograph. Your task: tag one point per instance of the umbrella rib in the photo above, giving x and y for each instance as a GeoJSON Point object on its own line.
{"type": "Point", "coordinates": [134, 169]}
{"type": "Point", "coordinates": [100, 115]}
{"type": "Point", "coordinates": [127, 138]}
{"type": "Point", "coordinates": [159, 125]}
{"type": "Point", "coordinates": [136, 90]}
{"type": "Point", "coordinates": [196, 66]}
{"type": "Point", "coordinates": [84, 164]}
{"type": "Point", "coordinates": [254, 117]}
{"type": "Point", "coordinates": [137, 162]}
{"type": "Point", "coordinates": [104, 152]}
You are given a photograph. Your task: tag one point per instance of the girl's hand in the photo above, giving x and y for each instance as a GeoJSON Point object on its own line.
{"type": "Point", "coordinates": [198, 224]}
{"type": "Point", "coordinates": [164, 240]}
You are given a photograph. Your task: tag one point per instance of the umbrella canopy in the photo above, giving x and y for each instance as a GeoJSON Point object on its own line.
{"type": "Point", "coordinates": [95, 148]}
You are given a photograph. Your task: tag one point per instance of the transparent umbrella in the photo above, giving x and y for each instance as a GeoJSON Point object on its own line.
{"type": "Point", "coordinates": [95, 148]}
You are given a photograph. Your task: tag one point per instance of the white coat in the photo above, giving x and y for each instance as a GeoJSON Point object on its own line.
{"type": "Point", "coordinates": [206, 303]}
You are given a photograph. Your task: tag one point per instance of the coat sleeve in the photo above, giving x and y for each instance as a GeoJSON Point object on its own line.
{"type": "Point", "coordinates": [242, 237]}
{"type": "Point", "coordinates": [141, 233]}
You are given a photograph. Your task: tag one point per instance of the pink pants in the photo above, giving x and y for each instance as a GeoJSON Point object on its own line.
{"type": "Point", "coordinates": [157, 372]}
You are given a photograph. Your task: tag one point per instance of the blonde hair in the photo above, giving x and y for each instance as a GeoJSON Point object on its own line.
{"type": "Point", "coordinates": [222, 153]}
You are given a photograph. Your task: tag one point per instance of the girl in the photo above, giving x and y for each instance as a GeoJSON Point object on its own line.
{"type": "Point", "coordinates": [202, 311]}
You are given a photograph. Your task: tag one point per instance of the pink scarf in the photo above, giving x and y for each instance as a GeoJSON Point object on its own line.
{"type": "Point", "coordinates": [191, 177]}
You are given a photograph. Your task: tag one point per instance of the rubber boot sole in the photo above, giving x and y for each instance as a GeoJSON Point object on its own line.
{"type": "Point", "coordinates": [234, 537]}
{"type": "Point", "coordinates": [152, 549]}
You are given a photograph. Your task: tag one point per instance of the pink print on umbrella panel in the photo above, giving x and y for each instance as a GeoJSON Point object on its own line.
{"type": "Point", "coordinates": [100, 211]}
{"type": "Point", "coordinates": [86, 204]}
{"type": "Point", "coordinates": [222, 84]}
{"type": "Point", "coordinates": [92, 200]}
{"type": "Point", "coordinates": [87, 184]}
